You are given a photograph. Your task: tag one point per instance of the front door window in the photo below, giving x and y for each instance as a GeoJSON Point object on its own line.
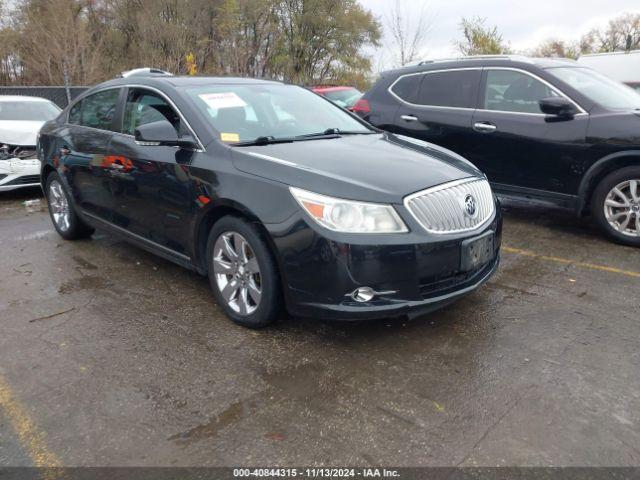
{"type": "Point", "coordinates": [512, 91]}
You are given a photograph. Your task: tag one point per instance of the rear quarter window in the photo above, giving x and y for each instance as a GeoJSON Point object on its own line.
{"type": "Point", "coordinates": [407, 87]}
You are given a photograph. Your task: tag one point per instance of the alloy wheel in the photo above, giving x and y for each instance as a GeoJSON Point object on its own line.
{"type": "Point", "coordinates": [59, 206]}
{"type": "Point", "coordinates": [237, 273]}
{"type": "Point", "coordinates": [622, 207]}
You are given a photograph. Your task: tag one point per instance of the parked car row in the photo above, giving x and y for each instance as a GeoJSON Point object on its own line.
{"type": "Point", "coordinates": [287, 200]}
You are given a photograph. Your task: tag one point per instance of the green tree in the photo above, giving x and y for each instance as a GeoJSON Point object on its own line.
{"type": "Point", "coordinates": [322, 40]}
{"type": "Point", "coordinates": [480, 39]}
{"type": "Point", "coordinates": [48, 42]}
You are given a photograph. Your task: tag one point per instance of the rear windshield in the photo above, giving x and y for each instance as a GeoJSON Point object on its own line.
{"type": "Point", "coordinates": [28, 111]}
{"type": "Point", "coordinates": [240, 113]}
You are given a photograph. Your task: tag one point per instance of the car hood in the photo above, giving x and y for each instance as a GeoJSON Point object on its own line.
{"type": "Point", "coordinates": [20, 133]}
{"type": "Point", "coordinates": [374, 168]}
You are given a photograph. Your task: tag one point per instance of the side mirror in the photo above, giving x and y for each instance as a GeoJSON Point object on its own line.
{"type": "Point", "coordinates": [559, 107]}
{"type": "Point", "coordinates": [163, 133]}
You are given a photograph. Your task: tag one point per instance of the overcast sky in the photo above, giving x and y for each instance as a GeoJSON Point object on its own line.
{"type": "Point", "coordinates": [524, 24]}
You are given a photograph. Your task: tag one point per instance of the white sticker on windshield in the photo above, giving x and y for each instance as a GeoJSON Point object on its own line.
{"type": "Point", "coordinates": [222, 100]}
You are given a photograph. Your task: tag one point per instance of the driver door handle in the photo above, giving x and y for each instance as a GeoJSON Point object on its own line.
{"type": "Point", "coordinates": [484, 127]}
{"type": "Point", "coordinates": [409, 118]}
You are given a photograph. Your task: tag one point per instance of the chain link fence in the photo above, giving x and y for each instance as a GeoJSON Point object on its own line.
{"type": "Point", "coordinates": [57, 95]}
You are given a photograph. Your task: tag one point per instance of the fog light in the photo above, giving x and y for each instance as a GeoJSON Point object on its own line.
{"type": "Point", "coordinates": [363, 294]}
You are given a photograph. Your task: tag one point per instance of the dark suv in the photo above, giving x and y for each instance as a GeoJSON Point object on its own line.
{"type": "Point", "coordinates": [543, 130]}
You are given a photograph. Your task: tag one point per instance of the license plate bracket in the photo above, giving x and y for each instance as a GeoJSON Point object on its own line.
{"type": "Point", "coordinates": [477, 251]}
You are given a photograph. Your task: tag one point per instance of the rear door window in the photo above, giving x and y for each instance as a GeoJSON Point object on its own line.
{"type": "Point", "coordinates": [454, 88]}
{"type": "Point", "coordinates": [97, 110]}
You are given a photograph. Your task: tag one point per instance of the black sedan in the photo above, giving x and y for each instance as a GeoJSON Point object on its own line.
{"type": "Point", "coordinates": [279, 196]}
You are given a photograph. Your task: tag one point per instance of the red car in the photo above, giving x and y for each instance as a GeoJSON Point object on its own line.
{"type": "Point", "coordinates": [345, 97]}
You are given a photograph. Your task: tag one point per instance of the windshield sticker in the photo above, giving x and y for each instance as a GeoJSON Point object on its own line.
{"type": "Point", "coordinates": [229, 137]}
{"type": "Point", "coordinates": [222, 100]}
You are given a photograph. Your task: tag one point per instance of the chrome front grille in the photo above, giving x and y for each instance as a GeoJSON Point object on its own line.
{"type": "Point", "coordinates": [447, 208]}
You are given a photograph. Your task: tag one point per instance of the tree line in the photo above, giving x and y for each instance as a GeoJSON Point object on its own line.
{"type": "Point", "coordinates": [622, 33]}
{"type": "Point", "coordinates": [82, 42]}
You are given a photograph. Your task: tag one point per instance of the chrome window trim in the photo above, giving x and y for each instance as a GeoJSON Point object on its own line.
{"type": "Point", "coordinates": [443, 186]}
{"type": "Point", "coordinates": [582, 111]}
{"type": "Point", "coordinates": [134, 85]}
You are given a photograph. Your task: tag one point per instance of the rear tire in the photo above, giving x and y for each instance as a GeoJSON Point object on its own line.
{"type": "Point", "coordinates": [616, 205]}
{"type": "Point", "coordinates": [62, 211]}
{"type": "Point", "coordinates": [243, 273]}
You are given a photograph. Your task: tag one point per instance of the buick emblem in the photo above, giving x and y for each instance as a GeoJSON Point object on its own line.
{"type": "Point", "coordinates": [470, 206]}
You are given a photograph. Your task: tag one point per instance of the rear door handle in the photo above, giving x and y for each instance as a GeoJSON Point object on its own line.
{"type": "Point", "coordinates": [484, 127]}
{"type": "Point", "coordinates": [409, 118]}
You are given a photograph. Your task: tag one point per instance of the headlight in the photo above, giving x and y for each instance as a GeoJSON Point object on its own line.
{"type": "Point", "coordinates": [349, 216]}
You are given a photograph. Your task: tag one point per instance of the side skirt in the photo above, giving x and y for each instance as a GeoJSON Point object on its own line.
{"type": "Point", "coordinates": [141, 242]}
{"type": "Point", "coordinates": [537, 197]}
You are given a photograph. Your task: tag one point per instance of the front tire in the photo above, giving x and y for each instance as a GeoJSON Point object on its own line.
{"type": "Point", "coordinates": [616, 205]}
{"type": "Point", "coordinates": [243, 273]}
{"type": "Point", "coordinates": [62, 212]}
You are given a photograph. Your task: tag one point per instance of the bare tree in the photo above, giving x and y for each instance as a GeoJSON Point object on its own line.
{"type": "Point", "coordinates": [622, 33]}
{"type": "Point", "coordinates": [409, 30]}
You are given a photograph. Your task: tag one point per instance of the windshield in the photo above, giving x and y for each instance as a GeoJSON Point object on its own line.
{"type": "Point", "coordinates": [601, 89]}
{"type": "Point", "coordinates": [344, 98]}
{"type": "Point", "coordinates": [241, 113]}
{"type": "Point", "coordinates": [28, 111]}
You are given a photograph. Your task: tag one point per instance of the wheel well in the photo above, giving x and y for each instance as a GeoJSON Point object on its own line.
{"type": "Point", "coordinates": [211, 218]}
{"type": "Point", "coordinates": [600, 172]}
{"type": "Point", "coordinates": [46, 171]}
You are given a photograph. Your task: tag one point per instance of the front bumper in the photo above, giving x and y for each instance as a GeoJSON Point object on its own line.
{"type": "Point", "coordinates": [16, 173]}
{"type": "Point", "coordinates": [417, 273]}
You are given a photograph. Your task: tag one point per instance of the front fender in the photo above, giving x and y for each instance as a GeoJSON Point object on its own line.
{"type": "Point", "coordinates": [630, 157]}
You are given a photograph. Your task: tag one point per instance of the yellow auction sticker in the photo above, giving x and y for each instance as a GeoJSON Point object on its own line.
{"type": "Point", "coordinates": [229, 137]}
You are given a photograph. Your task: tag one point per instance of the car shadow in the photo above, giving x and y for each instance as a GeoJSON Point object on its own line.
{"type": "Point", "coordinates": [21, 194]}
{"type": "Point", "coordinates": [557, 219]}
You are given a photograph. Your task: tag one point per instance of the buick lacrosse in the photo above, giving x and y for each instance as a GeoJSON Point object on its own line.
{"type": "Point", "coordinates": [282, 198]}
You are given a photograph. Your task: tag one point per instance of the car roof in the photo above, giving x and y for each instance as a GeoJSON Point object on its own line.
{"type": "Point", "coordinates": [22, 98]}
{"type": "Point", "coordinates": [514, 61]}
{"type": "Point", "coordinates": [185, 81]}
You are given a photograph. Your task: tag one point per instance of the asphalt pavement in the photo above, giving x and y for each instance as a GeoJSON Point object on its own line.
{"type": "Point", "coordinates": [110, 356]}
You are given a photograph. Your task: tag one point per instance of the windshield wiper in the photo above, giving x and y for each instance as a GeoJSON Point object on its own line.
{"type": "Point", "coordinates": [335, 132]}
{"type": "Point", "coordinates": [265, 140]}
{"type": "Point", "coordinates": [328, 133]}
